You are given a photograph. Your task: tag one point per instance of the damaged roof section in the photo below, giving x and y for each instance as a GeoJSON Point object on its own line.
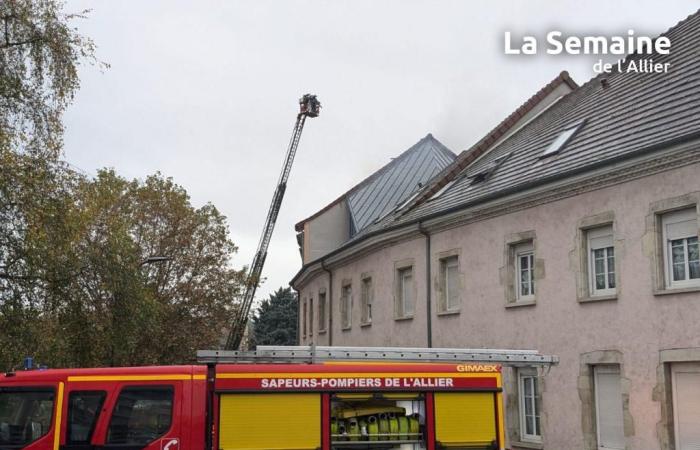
{"type": "Point", "coordinates": [373, 198]}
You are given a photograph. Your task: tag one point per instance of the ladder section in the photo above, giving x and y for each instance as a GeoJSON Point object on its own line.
{"type": "Point", "coordinates": [314, 354]}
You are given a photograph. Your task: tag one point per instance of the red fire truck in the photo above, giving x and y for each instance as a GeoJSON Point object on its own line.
{"type": "Point", "coordinates": [273, 398]}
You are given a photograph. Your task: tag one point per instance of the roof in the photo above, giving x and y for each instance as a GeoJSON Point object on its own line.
{"type": "Point", "coordinates": [470, 155]}
{"type": "Point", "coordinates": [386, 188]}
{"type": "Point", "coordinates": [626, 114]}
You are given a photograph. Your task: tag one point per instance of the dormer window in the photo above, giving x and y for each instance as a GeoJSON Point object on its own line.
{"type": "Point", "coordinates": [563, 139]}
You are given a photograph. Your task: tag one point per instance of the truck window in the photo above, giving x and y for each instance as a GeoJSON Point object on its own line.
{"type": "Point", "coordinates": [83, 410]}
{"type": "Point", "coordinates": [378, 421]}
{"type": "Point", "coordinates": [141, 415]}
{"type": "Point", "coordinates": [25, 415]}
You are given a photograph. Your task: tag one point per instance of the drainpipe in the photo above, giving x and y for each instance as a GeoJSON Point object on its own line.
{"type": "Point", "coordinates": [428, 290]}
{"type": "Point", "coordinates": [329, 302]}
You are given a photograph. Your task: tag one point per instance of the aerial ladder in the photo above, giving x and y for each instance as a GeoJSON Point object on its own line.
{"type": "Point", "coordinates": [309, 106]}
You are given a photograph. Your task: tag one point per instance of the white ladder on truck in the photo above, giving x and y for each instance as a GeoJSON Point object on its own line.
{"type": "Point", "coordinates": [314, 354]}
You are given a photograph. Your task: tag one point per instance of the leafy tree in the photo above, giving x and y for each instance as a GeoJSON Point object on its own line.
{"type": "Point", "coordinates": [275, 322]}
{"type": "Point", "coordinates": [39, 55]}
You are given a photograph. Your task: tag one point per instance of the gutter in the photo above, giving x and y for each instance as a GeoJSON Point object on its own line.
{"type": "Point", "coordinates": [515, 189]}
{"type": "Point", "coordinates": [329, 302]}
{"type": "Point", "coordinates": [428, 290]}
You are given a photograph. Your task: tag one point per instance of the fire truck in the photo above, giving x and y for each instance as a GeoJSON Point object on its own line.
{"type": "Point", "coordinates": [274, 398]}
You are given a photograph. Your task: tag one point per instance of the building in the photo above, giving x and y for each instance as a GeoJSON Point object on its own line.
{"type": "Point", "coordinates": [571, 228]}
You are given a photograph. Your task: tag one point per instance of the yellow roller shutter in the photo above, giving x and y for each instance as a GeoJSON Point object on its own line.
{"type": "Point", "coordinates": [270, 421]}
{"type": "Point", "coordinates": [465, 419]}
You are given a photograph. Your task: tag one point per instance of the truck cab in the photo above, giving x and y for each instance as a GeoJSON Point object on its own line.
{"type": "Point", "coordinates": [151, 408]}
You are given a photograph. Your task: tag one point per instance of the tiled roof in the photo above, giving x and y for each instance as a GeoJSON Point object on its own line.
{"type": "Point", "coordinates": [624, 113]}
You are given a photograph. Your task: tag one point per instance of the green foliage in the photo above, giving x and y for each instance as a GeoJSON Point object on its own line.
{"type": "Point", "coordinates": [275, 322]}
{"type": "Point", "coordinates": [74, 288]}
{"type": "Point", "coordinates": [39, 56]}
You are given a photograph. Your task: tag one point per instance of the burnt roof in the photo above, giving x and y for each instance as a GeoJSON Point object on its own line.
{"type": "Point", "coordinates": [391, 185]}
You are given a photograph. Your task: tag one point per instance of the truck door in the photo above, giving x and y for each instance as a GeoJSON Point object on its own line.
{"type": "Point", "coordinates": [123, 416]}
{"type": "Point", "coordinates": [467, 420]}
{"type": "Point", "coordinates": [28, 415]}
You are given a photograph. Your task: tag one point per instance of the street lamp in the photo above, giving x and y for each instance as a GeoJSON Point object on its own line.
{"type": "Point", "coordinates": [154, 259]}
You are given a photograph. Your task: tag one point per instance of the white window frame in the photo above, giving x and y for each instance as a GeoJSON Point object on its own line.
{"type": "Point", "coordinates": [447, 262]}
{"type": "Point", "coordinates": [346, 307]}
{"type": "Point", "coordinates": [403, 288]}
{"type": "Point", "coordinates": [321, 312]}
{"type": "Point", "coordinates": [367, 296]}
{"type": "Point", "coordinates": [523, 376]}
{"type": "Point", "coordinates": [601, 238]}
{"type": "Point", "coordinates": [524, 250]}
{"type": "Point", "coordinates": [597, 370]}
{"type": "Point", "coordinates": [669, 220]}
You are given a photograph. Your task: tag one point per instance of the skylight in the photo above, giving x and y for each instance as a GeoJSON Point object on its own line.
{"type": "Point", "coordinates": [489, 169]}
{"type": "Point", "coordinates": [442, 190]}
{"type": "Point", "coordinates": [562, 139]}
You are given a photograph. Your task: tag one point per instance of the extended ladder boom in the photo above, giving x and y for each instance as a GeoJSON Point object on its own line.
{"type": "Point", "coordinates": [309, 107]}
{"type": "Point", "coordinates": [313, 354]}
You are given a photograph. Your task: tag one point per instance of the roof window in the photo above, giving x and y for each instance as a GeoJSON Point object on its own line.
{"type": "Point", "coordinates": [485, 172]}
{"type": "Point", "coordinates": [562, 140]}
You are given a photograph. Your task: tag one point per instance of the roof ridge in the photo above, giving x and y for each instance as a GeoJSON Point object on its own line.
{"type": "Point", "coordinates": [466, 157]}
{"type": "Point", "coordinates": [375, 174]}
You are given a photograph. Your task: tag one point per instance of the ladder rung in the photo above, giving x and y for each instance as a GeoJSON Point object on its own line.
{"type": "Point", "coordinates": [312, 354]}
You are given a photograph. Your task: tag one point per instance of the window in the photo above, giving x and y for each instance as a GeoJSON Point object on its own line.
{"type": "Point", "coordinates": [562, 140]}
{"type": "Point", "coordinates": [311, 316]}
{"type": "Point", "coordinates": [378, 420]}
{"type": "Point", "coordinates": [366, 300]}
{"type": "Point", "coordinates": [404, 292]}
{"type": "Point", "coordinates": [346, 307]}
{"type": "Point", "coordinates": [25, 415]}
{"type": "Point", "coordinates": [601, 260]}
{"type": "Point", "coordinates": [83, 410]}
{"type": "Point", "coordinates": [449, 284]}
{"type": "Point", "coordinates": [529, 405]}
{"type": "Point", "coordinates": [321, 312]}
{"type": "Point", "coordinates": [141, 415]}
{"type": "Point", "coordinates": [303, 318]}
{"type": "Point", "coordinates": [680, 244]}
{"type": "Point", "coordinates": [608, 403]}
{"type": "Point", "coordinates": [525, 272]}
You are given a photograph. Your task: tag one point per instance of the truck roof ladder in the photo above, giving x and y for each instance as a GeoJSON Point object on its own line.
{"type": "Point", "coordinates": [314, 354]}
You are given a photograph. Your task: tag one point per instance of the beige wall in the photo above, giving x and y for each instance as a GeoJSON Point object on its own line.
{"type": "Point", "coordinates": [638, 324]}
{"type": "Point", "coordinates": [326, 232]}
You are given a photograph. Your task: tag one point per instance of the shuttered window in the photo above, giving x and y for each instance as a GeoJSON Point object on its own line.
{"type": "Point", "coordinates": [681, 248]}
{"type": "Point", "coordinates": [465, 419]}
{"type": "Point", "coordinates": [608, 399]}
{"type": "Point", "coordinates": [270, 422]}
{"type": "Point", "coordinates": [601, 254]}
{"type": "Point", "coordinates": [686, 405]}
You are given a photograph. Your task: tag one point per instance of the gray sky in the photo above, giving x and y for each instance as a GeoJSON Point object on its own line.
{"type": "Point", "coordinates": [206, 91]}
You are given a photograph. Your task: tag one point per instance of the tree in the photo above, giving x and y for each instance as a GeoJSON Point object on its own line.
{"type": "Point", "coordinates": [39, 56]}
{"type": "Point", "coordinates": [275, 321]}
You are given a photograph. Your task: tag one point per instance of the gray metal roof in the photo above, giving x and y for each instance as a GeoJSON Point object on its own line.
{"type": "Point", "coordinates": [635, 112]}
{"type": "Point", "coordinates": [394, 183]}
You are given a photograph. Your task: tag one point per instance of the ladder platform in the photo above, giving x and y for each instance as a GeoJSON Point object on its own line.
{"type": "Point", "coordinates": [314, 354]}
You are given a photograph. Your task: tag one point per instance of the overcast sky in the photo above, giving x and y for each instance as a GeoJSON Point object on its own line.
{"type": "Point", "coordinates": [206, 91]}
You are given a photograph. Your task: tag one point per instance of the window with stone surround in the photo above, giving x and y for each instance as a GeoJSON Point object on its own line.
{"type": "Point", "coordinates": [601, 261]}
{"type": "Point", "coordinates": [529, 405]}
{"type": "Point", "coordinates": [405, 292]}
{"type": "Point", "coordinates": [681, 254]}
{"type": "Point", "coordinates": [366, 297]}
{"type": "Point", "coordinates": [346, 306]}
{"type": "Point", "coordinates": [524, 272]}
{"type": "Point", "coordinates": [322, 311]}
{"type": "Point", "coordinates": [449, 284]}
